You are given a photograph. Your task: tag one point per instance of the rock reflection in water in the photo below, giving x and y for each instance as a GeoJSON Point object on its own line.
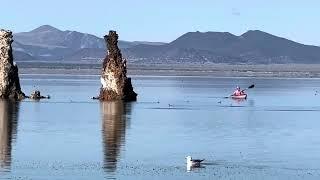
{"type": "Point", "coordinates": [8, 130]}
{"type": "Point", "coordinates": [114, 122]}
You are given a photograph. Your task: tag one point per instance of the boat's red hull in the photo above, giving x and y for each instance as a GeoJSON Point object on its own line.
{"type": "Point", "coordinates": [243, 96]}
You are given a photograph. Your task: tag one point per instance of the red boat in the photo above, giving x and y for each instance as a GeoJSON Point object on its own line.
{"type": "Point", "coordinates": [242, 96]}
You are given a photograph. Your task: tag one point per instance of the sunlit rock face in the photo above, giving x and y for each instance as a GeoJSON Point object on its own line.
{"type": "Point", "coordinates": [9, 78]}
{"type": "Point", "coordinates": [115, 83]}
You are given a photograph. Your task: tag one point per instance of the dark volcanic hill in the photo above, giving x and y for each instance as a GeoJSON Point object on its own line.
{"type": "Point", "coordinates": [252, 47]}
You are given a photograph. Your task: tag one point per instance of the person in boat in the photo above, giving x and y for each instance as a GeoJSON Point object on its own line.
{"type": "Point", "coordinates": [238, 91]}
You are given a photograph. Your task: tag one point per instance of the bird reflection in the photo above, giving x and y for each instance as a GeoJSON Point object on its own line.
{"type": "Point", "coordinates": [8, 130]}
{"type": "Point", "coordinates": [114, 122]}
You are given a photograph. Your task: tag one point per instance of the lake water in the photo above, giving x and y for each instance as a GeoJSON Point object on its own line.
{"type": "Point", "coordinates": [274, 134]}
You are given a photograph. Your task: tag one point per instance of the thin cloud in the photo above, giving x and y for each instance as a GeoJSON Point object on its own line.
{"type": "Point", "coordinates": [235, 12]}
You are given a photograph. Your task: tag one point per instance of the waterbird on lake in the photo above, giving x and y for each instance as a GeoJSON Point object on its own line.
{"type": "Point", "coordinates": [193, 162]}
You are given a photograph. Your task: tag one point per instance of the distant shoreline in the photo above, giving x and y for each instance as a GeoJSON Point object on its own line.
{"type": "Point", "coordinates": [215, 70]}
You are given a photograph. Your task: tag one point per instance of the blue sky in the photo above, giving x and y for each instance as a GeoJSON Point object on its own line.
{"type": "Point", "coordinates": [165, 20]}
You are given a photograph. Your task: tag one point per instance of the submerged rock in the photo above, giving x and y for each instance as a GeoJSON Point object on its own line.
{"type": "Point", "coordinates": [9, 78]}
{"type": "Point", "coordinates": [115, 83]}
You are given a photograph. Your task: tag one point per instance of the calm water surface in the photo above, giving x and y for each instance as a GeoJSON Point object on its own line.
{"type": "Point", "coordinates": [274, 134]}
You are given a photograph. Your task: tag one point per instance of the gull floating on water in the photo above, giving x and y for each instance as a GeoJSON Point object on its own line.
{"type": "Point", "coordinates": [191, 163]}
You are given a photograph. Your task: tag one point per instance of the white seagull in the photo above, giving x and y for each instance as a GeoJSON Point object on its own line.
{"type": "Point", "coordinates": [193, 162]}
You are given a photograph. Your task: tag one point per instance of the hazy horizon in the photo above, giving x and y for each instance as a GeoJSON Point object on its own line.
{"type": "Point", "coordinates": [164, 21]}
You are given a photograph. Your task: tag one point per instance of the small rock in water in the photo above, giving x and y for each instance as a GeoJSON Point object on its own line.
{"type": "Point", "coordinates": [37, 95]}
{"type": "Point", "coordinates": [95, 97]}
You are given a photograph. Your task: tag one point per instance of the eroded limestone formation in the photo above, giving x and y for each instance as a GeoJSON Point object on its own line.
{"type": "Point", "coordinates": [115, 83]}
{"type": "Point", "coordinates": [9, 78]}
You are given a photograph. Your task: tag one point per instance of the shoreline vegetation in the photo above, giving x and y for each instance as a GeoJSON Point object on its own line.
{"type": "Point", "coordinates": [215, 70]}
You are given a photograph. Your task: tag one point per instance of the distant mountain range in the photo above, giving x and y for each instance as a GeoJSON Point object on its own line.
{"type": "Point", "coordinates": [47, 43]}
